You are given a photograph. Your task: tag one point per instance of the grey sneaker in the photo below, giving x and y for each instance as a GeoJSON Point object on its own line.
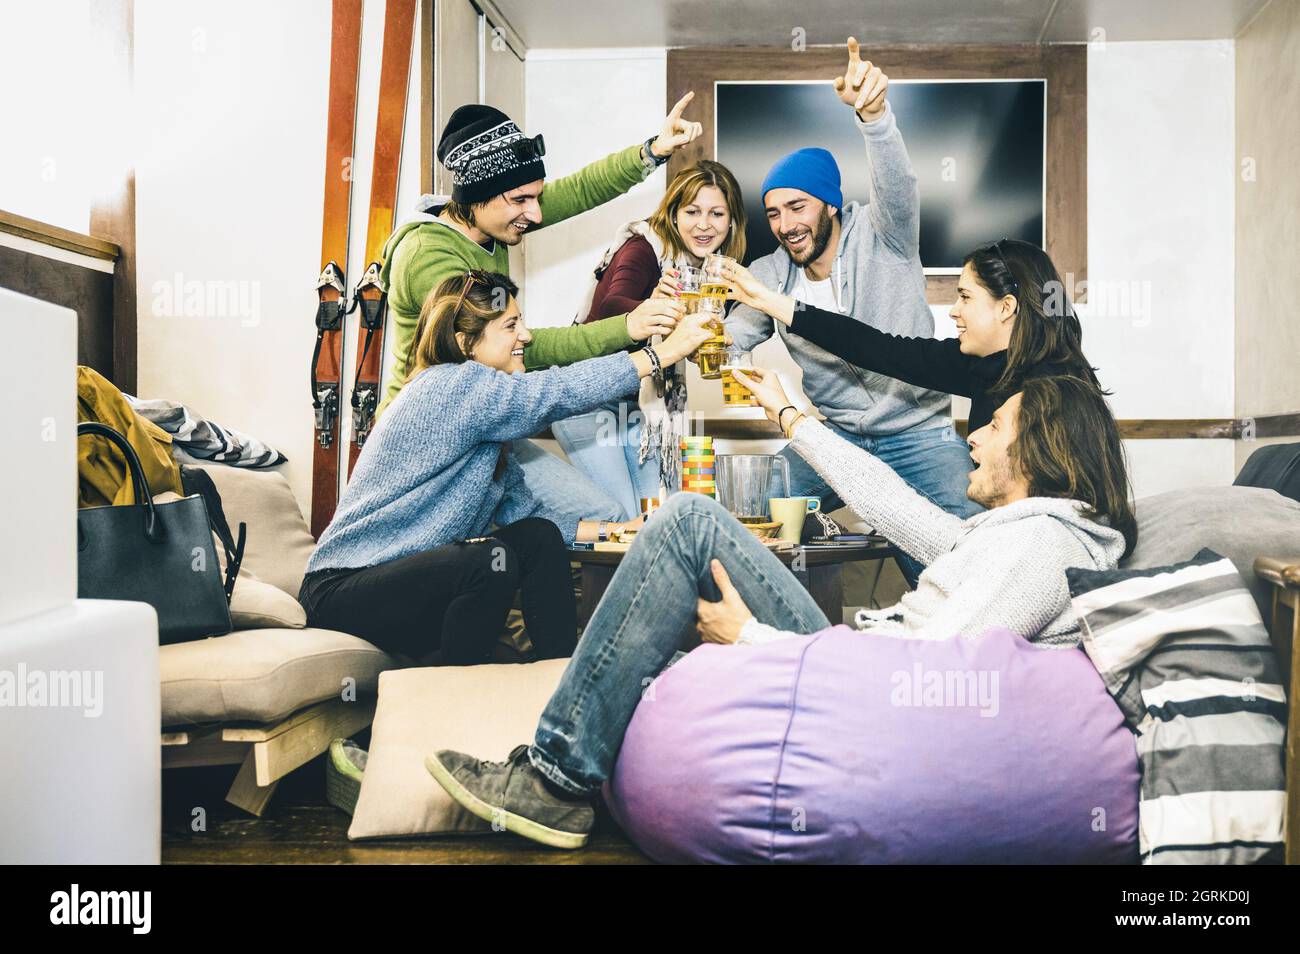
{"type": "Point", "coordinates": [512, 795]}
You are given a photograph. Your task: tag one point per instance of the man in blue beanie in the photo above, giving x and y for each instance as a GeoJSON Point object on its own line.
{"type": "Point", "coordinates": [862, 260]}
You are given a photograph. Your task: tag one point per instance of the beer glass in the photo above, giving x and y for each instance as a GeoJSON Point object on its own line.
{"type": "Point", "coordinates": [710, 354]}
{"type": "Point", "coordinates": [735, 394]}
{"type": "Point", "coordinates": [715, 284]}
{"type": "Point", "coordinates": [689, 278]}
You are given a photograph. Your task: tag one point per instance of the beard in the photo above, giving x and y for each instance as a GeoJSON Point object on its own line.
{"type": "Point", "coordinates": [992, 490]}
{"type": "Point", "coordinates": [821, 236]}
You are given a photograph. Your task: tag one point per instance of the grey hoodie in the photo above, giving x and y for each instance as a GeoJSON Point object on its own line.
{"type": "Point", "coordinates": [877, 278]}
{"type": "Point", "coordinates": [1003, 567]}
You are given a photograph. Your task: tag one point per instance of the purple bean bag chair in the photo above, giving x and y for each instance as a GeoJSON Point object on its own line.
{"type": "Point", "coordinates": [845, 747]}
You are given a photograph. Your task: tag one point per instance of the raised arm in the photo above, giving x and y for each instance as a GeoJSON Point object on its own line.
{"type": "Point", "coordinates": [893, 203]}
{"type": "Point", "coordinates": [563, 346]}
{"type": "Point", "coordinates": [514, 406]}
{"type": "Point", "coordinates": [557, 347]}
{"type": "Point", "coordinates": [592, 185]}
{"type": "Point", "coordinates": [610, 177]}
{"type": "Point", "coordinates": [871, 489]}
{"type": "Point", "coordinates": [924, 362]}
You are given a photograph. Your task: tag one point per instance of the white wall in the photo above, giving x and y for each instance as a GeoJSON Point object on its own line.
{"type": "Point", "coordinates": [1160, 224]}
{"type": "Point", "coordinates": [587, 104]}
{"type": "Point", "coordinates": [1160, 228]}
{"type": "Point", "coordinates": [229, 182]}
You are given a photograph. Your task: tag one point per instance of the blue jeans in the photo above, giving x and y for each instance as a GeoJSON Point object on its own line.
{"type": "Point", "coordinates": [934, 461]}
{"type": "Point", "coordinates": [562, 490]}
{"type": "Point", "coordinates": [604, 445]}
{"type": "Point", "coordinates": [644, 618]}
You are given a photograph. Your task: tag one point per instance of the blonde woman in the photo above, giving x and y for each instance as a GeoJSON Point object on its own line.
{"type": "Point", "coordinates": [627, 447]}
{"type": "Point", "coordinates": [437, 530]}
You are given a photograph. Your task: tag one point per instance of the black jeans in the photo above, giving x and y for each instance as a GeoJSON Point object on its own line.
{"type": "Point", "coordinates": [452, 601]}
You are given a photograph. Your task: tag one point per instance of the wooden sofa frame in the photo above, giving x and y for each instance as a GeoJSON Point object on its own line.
{"type": "Point", "coordinates": [265, 753]}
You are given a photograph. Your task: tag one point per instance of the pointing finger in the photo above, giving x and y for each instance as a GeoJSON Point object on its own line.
{"type": "Point", "coordinates": [676, 111]}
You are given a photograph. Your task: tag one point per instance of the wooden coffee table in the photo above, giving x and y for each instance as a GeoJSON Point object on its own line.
{"type": "Point", "coordinates": [822, 574]}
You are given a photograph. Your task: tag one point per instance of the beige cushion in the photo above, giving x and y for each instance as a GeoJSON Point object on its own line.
{"type": "Point", "coordinates": [279, 541]}
{"type": "Point", "coordinates": [258, 605]}
{"type": "Point", "coordinates": [482, 710]}
{"type": "Point", "coordinates": [254, 604]}
{"type": "Point", "coordinates": [261, 675]}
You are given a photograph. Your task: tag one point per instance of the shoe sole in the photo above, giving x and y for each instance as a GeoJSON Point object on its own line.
{"type": "Point", "coordinates": [528, 828]}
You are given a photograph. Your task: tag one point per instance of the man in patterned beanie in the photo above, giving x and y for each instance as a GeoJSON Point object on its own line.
{"type": "Point", "coordinates": [498, 193]}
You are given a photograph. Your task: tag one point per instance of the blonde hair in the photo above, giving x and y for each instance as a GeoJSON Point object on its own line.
{"type": "Point", "coordinates": [453, 308]}
{"type": "Point", "coordinates": [686, 185]}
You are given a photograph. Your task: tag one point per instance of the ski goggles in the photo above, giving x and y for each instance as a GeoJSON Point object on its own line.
{"type": "Point", "coordinates": [524, 150]}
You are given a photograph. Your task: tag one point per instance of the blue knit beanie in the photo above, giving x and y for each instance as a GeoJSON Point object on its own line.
{"type": "Point", "coordinates": [810, 170]}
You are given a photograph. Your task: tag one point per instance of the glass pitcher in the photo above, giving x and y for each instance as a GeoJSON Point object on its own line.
{"type": "Point", "coordinates": [744, 483]}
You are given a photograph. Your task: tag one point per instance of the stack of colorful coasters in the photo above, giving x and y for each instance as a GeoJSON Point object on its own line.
{"type": "Point", "coordinates": [698, 466]}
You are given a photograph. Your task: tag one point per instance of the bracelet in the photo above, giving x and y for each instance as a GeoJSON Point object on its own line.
{"type": "Point", "coordinates": [656, 366]}
{"type": "Point", "coordinates": [789, 434]}
{"type": "Point", "coordinates": [779, 414]}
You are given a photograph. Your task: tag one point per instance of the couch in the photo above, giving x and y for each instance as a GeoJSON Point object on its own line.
{"type": "Point", "coordinates": [272, 694]}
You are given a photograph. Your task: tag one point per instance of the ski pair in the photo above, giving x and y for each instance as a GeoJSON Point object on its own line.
{"type": "Point", "coordinates": [368, 297]}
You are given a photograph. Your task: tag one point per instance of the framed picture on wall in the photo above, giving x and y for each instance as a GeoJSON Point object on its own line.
{"type": "Point", "coordinates": [978, 147]}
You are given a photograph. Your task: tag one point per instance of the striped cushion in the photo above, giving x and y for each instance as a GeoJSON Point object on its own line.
{"type": "Point", "coordinates": [1184, 653]}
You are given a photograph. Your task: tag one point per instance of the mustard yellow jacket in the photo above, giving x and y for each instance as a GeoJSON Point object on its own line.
{"type": "Point", "coordinates": [103, 477]}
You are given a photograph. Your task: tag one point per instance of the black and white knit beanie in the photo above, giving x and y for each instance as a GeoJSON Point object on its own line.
{"type": "Point", "coordinates": [487, 154]}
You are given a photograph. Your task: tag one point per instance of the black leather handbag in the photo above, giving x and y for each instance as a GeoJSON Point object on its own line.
{"type": "Point", "coordinates": [156, 553]}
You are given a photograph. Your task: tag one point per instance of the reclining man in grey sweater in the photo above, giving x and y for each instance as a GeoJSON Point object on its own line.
{"type": "Point", "coordinates": [863, 260]}
{"type": "Point", "coordinates": [1050, 469]}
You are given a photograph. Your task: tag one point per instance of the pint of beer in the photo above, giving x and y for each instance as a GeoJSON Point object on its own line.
{"type": "Point", "coordinates": [709, 355]}
{"type": "Point", "coordinates": [735, 394]}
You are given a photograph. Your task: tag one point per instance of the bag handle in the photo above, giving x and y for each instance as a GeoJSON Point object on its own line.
{"type": "Point", "coordinates": [197, 480]}
{"type": "Point", "coordinates": [143, 498]}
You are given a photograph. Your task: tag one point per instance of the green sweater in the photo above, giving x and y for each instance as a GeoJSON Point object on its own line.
{"type": "Point", "coordinates": [421, 255]}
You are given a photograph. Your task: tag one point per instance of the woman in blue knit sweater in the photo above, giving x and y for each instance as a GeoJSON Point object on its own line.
{"type": "Point", "coordinates": [437, 531]}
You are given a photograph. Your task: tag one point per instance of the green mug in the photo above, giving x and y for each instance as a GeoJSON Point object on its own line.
{"type": "Point", "coordinates": [790, 512]}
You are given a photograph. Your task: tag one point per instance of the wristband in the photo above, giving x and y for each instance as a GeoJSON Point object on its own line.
{"type": "Point", "coordinates": [789, 434]}
{"type": "Point", "coordinates": [780, 415]}
{"type": "Point", "coordinates": [649, 160]}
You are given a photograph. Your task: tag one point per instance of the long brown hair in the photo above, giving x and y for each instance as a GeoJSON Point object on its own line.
{"type": "Point", "coordinates": [1068, 445]}
{"type": "Point", "coordinates": [1046, 329]}
{"type": "Point", "coordinates": [686, 185]}
{"type": "Point", "coordinates": [463, 303]}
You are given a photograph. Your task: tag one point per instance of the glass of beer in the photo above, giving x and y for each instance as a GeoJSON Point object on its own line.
{"type": "Point", "coordinates": [710, 354]}
{"type": "Point", "coordinates": [689, 279]}
{"type": "Point", "coordinates": [715, 284]}
{"type": "Point", "coordinates": [735, 394]}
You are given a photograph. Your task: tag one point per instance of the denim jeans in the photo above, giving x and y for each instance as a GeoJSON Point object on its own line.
{"type": "Point", "coordinates": [562, 490]}
{"type": "Point", "coordinates": [645, 617]}
{"type": "Point", "coordinates": [604, 445]}
{"type": "Point", "coordinates": [934, 461]}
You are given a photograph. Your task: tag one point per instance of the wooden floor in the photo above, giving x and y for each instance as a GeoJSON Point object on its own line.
{"type": "Point", "coordinates": [300, 827]}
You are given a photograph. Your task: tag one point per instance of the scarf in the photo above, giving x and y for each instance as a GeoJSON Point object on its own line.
{"type": "Point", "coordinates": [663, 416]}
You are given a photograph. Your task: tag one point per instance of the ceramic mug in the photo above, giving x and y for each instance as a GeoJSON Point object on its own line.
{"type": "Point", "coordinates": [790, 513]}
